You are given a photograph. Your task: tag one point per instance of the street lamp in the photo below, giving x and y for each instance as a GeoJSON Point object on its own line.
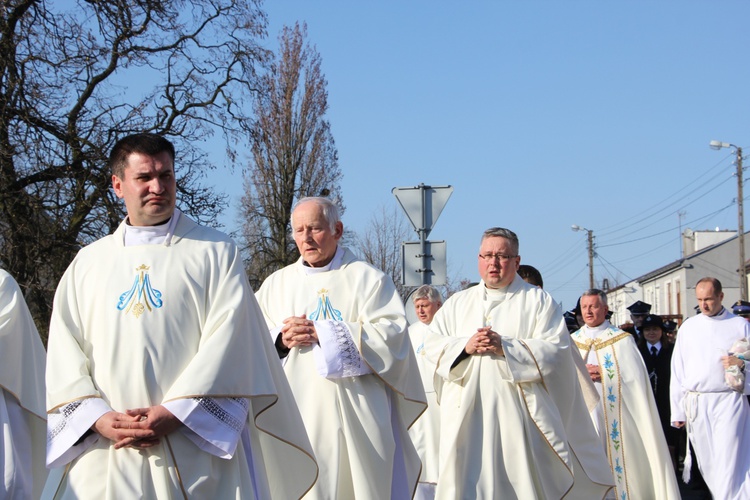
{"type": "Point", "coordinates": [740, 214]}
{"type": "Point", "coordinates": [576, 227]}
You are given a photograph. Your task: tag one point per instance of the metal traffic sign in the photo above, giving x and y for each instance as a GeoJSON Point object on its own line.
{"type": "Point", "coordinates": [423, 205]}
{"type": "Point", "coordinates": [429, 268]}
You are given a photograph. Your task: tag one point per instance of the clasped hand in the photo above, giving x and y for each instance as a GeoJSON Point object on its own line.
{"type": "Point", "coordinates": [484, 341]}
{"type": "Point", "coordinates": [138, 428]}
{"type": "Point", "coordinates": [298, 331]}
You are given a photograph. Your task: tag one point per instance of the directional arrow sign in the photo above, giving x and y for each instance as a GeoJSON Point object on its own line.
{"type": "Point", "coordinates": [423, 205]}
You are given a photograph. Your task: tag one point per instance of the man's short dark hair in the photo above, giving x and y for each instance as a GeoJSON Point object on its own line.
{"type": "Point", "coordinates": [145, 144]}
{"type": "Point", "coordinates": [716, 283]}
{"type": "Point", "coordinates": [531, 275]}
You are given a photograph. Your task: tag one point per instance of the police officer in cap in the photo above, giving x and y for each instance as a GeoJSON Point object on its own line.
{"type": "Point", "coordinates": [670, 331]}
{"type": "Point", "coordinates": [657, 355]}
{"type": "Point", "coordinates": [742, 308]}
{"type": "Point", "coordinates": [638, 312]}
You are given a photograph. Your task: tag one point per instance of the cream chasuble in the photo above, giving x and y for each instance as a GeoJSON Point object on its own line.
{"type": "Point", "coordinates": [637, 451]}
{"type": "Point", "coordinates": [512, 426]}
{"type": "Point", "coordinates": [425, 433]}
{"type": "Point", "coordinates": [357, 416]}
{"type": "Point", "coordinates": [136, 326]}
{"type": "Point", "coordinates": [22, 414]}
{"type": "Point", "coordinates": [717, 418]}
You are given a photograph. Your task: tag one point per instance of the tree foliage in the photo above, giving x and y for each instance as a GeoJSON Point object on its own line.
{"type": "Point", "coordinates": [75, 77]}
{"type": "Point", "coordinates": [380, 243]}
{"type": "Point", "coordinates": [293, 153]}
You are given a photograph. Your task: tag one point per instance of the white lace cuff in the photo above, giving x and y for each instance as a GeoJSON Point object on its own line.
{"type": "Point", "coordinates": [213, 424]}
{"type": "Point", "coordinates": [336, 354]}
{"type": "Point", "coordinates": [67, 425]}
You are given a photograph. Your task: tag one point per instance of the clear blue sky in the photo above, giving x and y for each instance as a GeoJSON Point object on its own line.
{"type": "Point", "coordinates": [540, 114]}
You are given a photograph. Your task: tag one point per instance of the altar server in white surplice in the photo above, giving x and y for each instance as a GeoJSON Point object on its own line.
{"type": "Point", "coordinates": [717, 418]}
{"type": "Point", "coordinates": [514, 423]}
{"type": "Point", "coordinates": [626, 419]}
{"type": "Point", "coordinates": [161, 379]}
{"type": "Point", "coordinates": [22, 414]}
{"type": "Point", "coordinates": [339, 325]}
{"type": "Point", "coordinates": [425, 433]}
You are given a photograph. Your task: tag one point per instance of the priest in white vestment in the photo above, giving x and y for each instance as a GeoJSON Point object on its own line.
{"type": "Point", "coordinates": [513, 420]}
{"type": "Point", "coordinates": [339, 325]}
{"type": "Point", "coordinates": [22, 414]}
{"type": "Point", "coordinates": [161, 379]}
{"type": "Point", "coordinates": [425, 433]}
{"type": "Point", "coordinates": [626, 418]}
{"type": "Point", "coordinates": [717, 418]}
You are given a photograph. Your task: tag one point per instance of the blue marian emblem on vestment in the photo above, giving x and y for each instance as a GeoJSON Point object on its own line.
{"type": "Point", "coordinates": [141, 295]}
{"type": "Point", "coordinates": [325, 310]}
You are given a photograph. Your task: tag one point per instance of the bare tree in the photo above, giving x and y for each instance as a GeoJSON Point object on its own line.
{"type": "Point", "coordinates": [75, 78]}
{"type": "Point", "coordinates": [380, 243]}
{"type": "Point", "coordinates": [293, 153]}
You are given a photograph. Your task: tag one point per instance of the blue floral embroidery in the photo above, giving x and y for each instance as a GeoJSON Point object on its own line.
{"type": "Point", "coordinates": [608, 365]}
{"type": "Point", "coordinates": [615, 432]}
{"type": "Point", "coordinates": [619, 470]}
{"type": "Point", "coordinates": [611, 397]}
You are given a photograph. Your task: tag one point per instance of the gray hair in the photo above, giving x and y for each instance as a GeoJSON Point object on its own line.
{"type": "Point", "coordinates": [427, 292]}
{"type": "Point", "coordinates": [501, 232]}
{"type": "Point", "coordinates": [595, 291]}
{"type": "Point", "coordinates": [329, 208]}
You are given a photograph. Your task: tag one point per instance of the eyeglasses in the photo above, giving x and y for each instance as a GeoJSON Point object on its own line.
{"type": "Point", "coordinates": [491, 257]}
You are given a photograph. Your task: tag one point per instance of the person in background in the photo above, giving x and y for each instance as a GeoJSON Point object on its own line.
{"type": "Point", "coordinates": [638, 312]}
{"type": "Point", "coordinates": [22, 408]}
{"type": "Point", "coordinates": [670, 331]}
{"type": "Point", "coordinates": [425, 433]}
{"type": "Point", "coordinates": [741, 308]}
{"type": "Point", "coordinates": [531, 275]}
{"type": "Point", "coordinates": [627, 418]}
{"type": "Point", "coordinates": [656, 352]}
{"type": "Point", "coordinates": [717, 418]}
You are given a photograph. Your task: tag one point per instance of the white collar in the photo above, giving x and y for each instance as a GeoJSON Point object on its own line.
{"type": "Point", "coordinates": [335, 263]}
{"type": "Point", "coordinates": [657, 345]}
{"type": "Point", "coordinates": [152, 235]}
{"type": "Point", "coordinates": [594, 331]}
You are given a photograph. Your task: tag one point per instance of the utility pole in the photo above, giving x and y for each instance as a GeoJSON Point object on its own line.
{"type": "Point", "coordinates": [742, 271]}
{"type": "Point", "coordinates": [591, 258]}
{"type": "Point", "coordinates": [680, 216]}
{"type": "Point", "coordinates": [741, 227]}
{"type": "Point", "coordinates": [576, 227]}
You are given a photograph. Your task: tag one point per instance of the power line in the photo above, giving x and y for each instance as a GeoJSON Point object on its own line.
{"type": "Point", "coordinates": [664, 201]}
{"type": "Point", "coordinates": [668, 230]}
{"type": "Point", "coordinates": [639, 256]}
{"type": "Point", "coordinates": [571, 279]}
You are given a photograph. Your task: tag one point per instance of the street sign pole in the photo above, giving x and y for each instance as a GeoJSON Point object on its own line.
{"type": "Point", "coordinates": [423, 205]}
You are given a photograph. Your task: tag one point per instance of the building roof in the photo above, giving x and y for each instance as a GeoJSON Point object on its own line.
{"type": "Point", "coordinates": [681, 263]}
